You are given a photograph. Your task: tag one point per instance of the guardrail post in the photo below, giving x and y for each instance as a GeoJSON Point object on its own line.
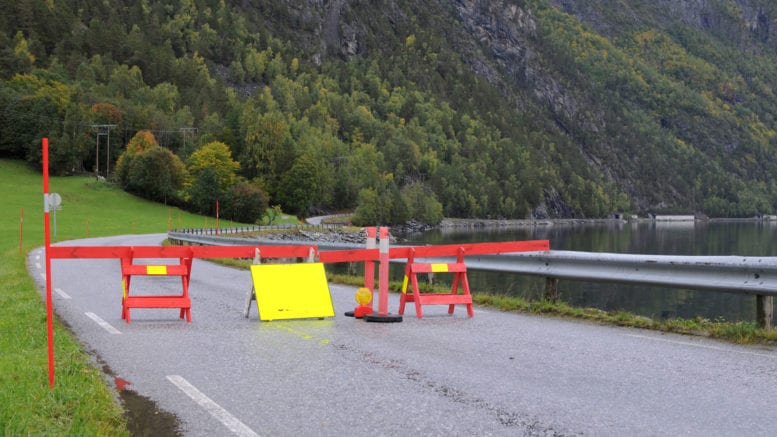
{"type": "Point", "coordinates": [764, 311]}
{"type": "Point", "coordinates": [551, 290]}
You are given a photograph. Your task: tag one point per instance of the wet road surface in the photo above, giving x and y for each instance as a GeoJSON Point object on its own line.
{"type": "Point", "coordinates": [494, 374]}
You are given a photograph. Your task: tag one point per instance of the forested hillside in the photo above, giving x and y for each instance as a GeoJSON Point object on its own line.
{"type": "Point", "coordinates": [402, 109]}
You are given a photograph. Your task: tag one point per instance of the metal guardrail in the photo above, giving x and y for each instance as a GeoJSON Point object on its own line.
{"type": "Point", "coordinates": [732, 274]}
{"type": "Point", "coordinates": [748, 275]}
{"type": "Point", "coordinates": [255, 228]}
{"type": "Point", "coordinates": [736, 274]}
{"type": "Point", "coordinates": [213, 240]}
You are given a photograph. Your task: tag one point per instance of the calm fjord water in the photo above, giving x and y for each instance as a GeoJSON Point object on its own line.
{"type": "Point", "coordinates": [744, 238]}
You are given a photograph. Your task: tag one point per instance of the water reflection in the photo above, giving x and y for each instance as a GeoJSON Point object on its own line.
{"type": "Point", "coordinates": [745, 238]}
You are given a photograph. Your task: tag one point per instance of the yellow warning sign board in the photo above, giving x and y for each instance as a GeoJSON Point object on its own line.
{"type": "Point", "coordinates": [291, 291]}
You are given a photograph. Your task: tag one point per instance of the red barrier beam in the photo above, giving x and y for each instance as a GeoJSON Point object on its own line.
{"type": "Point", "coordinates": [64, 252]}
{"type": "Point", "coordinates": [470, 249]}
{"type": "Point", "coordinates": [334, 256]}
{"type": "Point", "coordinates": [355, 255]}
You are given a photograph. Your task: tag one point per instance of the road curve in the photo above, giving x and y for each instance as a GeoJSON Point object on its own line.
{"type": "Point", "coordinates": [494, 374]}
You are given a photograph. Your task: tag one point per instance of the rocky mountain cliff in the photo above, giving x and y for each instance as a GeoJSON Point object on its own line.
{"type": "Point", "coordinates": [599, 74]}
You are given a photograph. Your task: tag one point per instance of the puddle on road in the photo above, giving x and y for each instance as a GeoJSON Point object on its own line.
{"type": "Point", "coordinates": [145, 419]}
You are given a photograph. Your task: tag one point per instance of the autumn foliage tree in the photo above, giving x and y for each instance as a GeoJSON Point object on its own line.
{"type": "Point", "coordinates": [150, 171]}
{"type": "Point", "coordinates": [213, 177]}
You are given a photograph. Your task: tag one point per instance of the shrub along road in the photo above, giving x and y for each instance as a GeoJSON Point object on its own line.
{"type": "Point", "coordinates": [495, 374]}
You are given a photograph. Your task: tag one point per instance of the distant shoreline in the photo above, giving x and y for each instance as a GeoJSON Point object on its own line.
{"type": "Point", "coordinates": [475, 223]}
{"type": "Point", "coordinates": [496, 223]}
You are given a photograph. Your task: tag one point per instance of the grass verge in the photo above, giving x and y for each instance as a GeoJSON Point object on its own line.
{"type": "Point", "coordinates": [81, 402]}
{"type": "Point", "coordinates": [737, 332]}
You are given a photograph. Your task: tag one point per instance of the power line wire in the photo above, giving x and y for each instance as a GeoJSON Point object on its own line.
{"type": "Point", "coordinates": [88, 124]}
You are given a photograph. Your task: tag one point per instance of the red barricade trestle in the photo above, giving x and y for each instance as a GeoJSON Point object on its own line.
{"type": "Point", "coordinates": [459, 270]}
{"type": "Point", "coordinates": [181, 301]}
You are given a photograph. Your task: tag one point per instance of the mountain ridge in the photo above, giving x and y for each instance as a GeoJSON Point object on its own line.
{"type": "Point", "coordinates": [507, 109]}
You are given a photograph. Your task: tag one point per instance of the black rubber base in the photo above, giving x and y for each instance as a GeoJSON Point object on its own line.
{"type": "Point", "coordinates": [348, 314]}
{"type": "Point", "coordinates": [377, 318]}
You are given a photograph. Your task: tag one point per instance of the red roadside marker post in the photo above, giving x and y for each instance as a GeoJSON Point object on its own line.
{"type": "Point", "coordinates": [47, 232]}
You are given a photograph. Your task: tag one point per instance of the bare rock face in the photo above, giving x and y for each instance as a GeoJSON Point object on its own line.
{"type": "Point", "coordinates": [720, 17]}
{"type": "Point", "coordinates": [505, 42]}
{"type": "Point", "coordinates": [341, 28]}
{"type": "Point", "coordinates": [553, 206]}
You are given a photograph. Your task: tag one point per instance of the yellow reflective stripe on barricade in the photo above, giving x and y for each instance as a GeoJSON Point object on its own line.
{"type": "Point", "coordinates": [156, 270]}
{"type": "Point", "coordinates": [404, 284]}
{"type": "Point", "coordinates": [439, 268]}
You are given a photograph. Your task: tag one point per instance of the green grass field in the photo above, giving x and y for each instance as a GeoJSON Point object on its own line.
{"type": "Point", "coordinates": [81, 402]}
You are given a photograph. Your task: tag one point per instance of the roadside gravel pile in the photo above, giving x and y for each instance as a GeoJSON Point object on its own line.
{"type": "Point", "coordinates": [346, 234]}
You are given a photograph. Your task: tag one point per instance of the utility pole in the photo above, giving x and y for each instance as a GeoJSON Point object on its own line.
{"type": "Point", "coordinates": [103, 129]}
{"type": "Point", "coordinates": [184, 131]}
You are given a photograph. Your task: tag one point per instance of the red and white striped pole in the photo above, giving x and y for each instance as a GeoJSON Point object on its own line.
{"type": "Point", "coordinates": [47, 232]}
{"type": "Point", "coordinates": [383, 272]}
{"type": "Point", "coordinates": [369, 266]}
{"type": "Point", "coordinates": [383, 282]}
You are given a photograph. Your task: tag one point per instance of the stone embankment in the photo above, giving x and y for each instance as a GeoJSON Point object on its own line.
{"type": "Point", "coordinates": [358, 236]}
{"type": "Point", "coordinates": [355, 236]}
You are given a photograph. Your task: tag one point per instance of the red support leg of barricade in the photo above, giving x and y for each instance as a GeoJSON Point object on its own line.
{"type": "Point", "coordinates": [403, 299]}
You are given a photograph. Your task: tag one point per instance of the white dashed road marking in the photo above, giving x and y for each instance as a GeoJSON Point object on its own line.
{"type": "Point", "coordinates": [105, 325]}
{"type": "Point", "coordinates": [62, 294]}
{"type": "Point", "coordinates": [215, 410]}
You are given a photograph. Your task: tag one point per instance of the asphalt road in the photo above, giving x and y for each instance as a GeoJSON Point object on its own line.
{"type": "Point", "coordinates": [494, 374]}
